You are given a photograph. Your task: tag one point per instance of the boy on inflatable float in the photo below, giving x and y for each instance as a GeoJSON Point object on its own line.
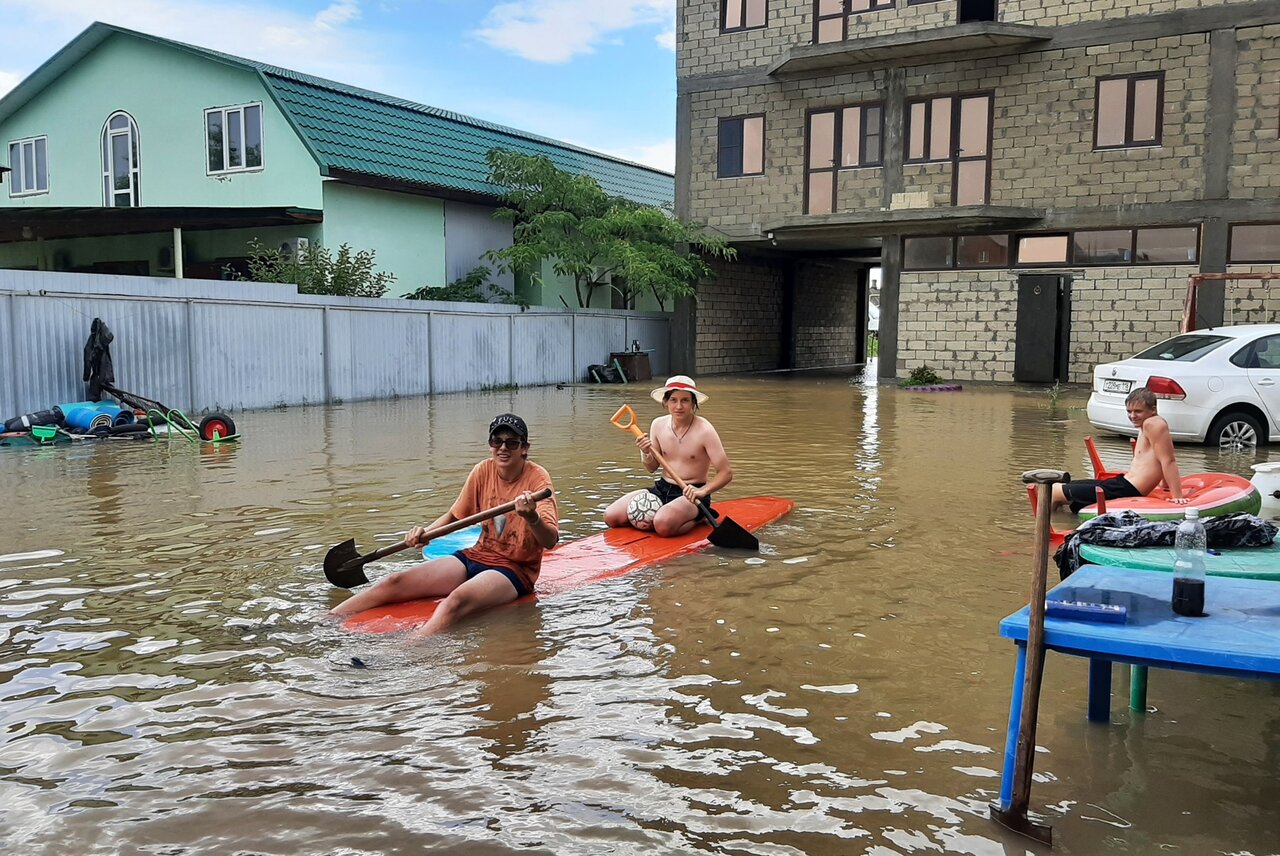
{"type": "Point", "coordinates": [1153, 461]}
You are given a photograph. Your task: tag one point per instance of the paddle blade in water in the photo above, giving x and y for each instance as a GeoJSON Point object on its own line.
{"type": "Point", "coordinates": [342, 565]}
{"type": "Point", "coordinates": [729, 534]}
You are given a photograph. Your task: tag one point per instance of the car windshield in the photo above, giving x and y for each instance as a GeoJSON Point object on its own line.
{"type": "Point", "coordinates": [1183, 349]}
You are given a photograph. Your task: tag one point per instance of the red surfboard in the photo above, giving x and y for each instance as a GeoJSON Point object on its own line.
{"type": "Point", "coordinates": [591, 559]}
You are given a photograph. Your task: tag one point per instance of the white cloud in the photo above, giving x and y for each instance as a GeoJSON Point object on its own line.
{"type": "Point", "coordinates": [660, 155]}
{"type": "Point", "coordinates": [8, 80]}
{"type": "Point", "coordinates": [338, 13]}
{"type": "Point", "coordinates": [322, 43]}
{"type": "Point", "coordinates": [555, 31]}
{"type": "Point", "coordinates": [667, 38]}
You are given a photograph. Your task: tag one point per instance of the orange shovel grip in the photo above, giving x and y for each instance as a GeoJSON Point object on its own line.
{"type": "Point", "coordinates": [630, 425]}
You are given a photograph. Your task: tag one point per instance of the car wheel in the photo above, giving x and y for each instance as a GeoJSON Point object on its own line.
{"type": "Point", "coordinates": [1235, 430]}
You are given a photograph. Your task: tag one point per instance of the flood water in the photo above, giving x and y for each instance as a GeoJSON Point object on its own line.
{"type": "Point", "coordinates": [166, 684]}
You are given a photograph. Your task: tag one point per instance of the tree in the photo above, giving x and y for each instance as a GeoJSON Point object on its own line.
{"type": "Point", "coordinates": [316, 271]}
{"type": "Point", "coordinates": [593, 237]}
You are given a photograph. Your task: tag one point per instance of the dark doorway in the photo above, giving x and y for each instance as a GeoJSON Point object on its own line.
{"type": "Point", "coordinates": [1043, 337]}
{"type": "Point", "coordinates": [976, 10]}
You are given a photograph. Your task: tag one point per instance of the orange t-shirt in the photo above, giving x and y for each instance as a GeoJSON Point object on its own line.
{"type": "Point", "coordinates": [507, 540]}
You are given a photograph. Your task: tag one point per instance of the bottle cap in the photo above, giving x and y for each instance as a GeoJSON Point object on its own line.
{"type": "Point", "coordinates": [1193, 512]}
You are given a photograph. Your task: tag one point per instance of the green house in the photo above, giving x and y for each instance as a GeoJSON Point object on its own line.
{"type": "Point", "coordinates": [124, 147]}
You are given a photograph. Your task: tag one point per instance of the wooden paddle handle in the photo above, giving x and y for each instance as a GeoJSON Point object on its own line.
{"type": "Point", "coordinates": [478, 517]}
{"type": "Point", "coordinates": [630, 425]}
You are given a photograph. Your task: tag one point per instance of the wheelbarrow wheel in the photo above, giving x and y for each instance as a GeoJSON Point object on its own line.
{"type": "Point", "coordinates": [216, 422]}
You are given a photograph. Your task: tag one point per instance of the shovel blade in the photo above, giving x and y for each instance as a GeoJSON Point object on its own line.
{"type": "Point", "coordinates": [342, 565]}
{"type": "Point", "coordinates": [727, 533]}
{"type": "Point", "coordinates": [1017, 821]}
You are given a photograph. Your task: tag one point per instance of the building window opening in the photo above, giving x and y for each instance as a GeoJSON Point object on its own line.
{"type": "Point", "coordinates": [121, 172]}
{"type": "Point", "coordinates": [741, 147]}
{"type": "Point", "coordinates": [29, 160]}
{"type": "Point", "coordinates": [738, 15]}
{"type": "Point", "coordinates": [847, 138]}
{"type": "Point", "coordinates": [1129, 111]}
{"type": "Point", "coordinates": [975, 10]}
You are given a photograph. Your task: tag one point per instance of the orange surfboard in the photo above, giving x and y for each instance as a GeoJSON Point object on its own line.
{"type": "Point", "coordinates": [591, 559]}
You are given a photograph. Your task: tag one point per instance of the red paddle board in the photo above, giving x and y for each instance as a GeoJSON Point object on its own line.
{"type": "Point", "coordinates": [591, 559]}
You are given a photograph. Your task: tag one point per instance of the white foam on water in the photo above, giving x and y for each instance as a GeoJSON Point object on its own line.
{"type": "Point", "coordinates": [26, 557]}
{"type": "Point", "coordinates": [846, 689]}
{"type": "Point", "coordinates": [911, 732]}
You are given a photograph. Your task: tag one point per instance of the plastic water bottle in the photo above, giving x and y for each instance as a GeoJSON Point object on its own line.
{"type": "Point", "coordinates": [1188, 566]}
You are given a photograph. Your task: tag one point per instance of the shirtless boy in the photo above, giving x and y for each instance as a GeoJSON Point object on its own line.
{"type": "Point", "coordinates": [1153, 461]}
{"type": "Point", "coordinates": [691, 447]}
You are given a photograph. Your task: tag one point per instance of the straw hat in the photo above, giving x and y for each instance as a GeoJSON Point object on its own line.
{"type": "Point", "coordinates": [677, 382]}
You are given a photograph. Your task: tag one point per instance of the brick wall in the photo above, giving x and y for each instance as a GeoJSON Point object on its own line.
{"type": "Point", "coordinates": [826, 314]}
{"type": "Point", "coordinates": [703, 49]}
{"type": "Point", "coordinates": [1256, 134]}
{"type": "Point", "coordinates": [739, 317]}
{"type": "Point", "coordinates": [1256, 302]}
{"type": "Point", "coordinates": [959, 323]}
{"type": "Point", "coordinates": [1116, 312]}
{"type": "Point", "coordinates": [963, 324]}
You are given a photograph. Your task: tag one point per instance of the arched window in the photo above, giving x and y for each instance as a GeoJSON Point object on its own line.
{"type": "Point", "coordinates": [121, 177]}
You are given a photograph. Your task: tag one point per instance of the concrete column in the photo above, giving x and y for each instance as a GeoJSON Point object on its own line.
{"type": "Point", "coordinates": [177, 252]}
{"type": "Point", "coordinates": [682, 356]}
{"type": "Point", "coordinates": [1220, 120]}
{"type": "Point", "coordinates": [890, 273]}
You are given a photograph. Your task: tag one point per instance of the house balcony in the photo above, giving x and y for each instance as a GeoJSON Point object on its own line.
{"type": "Point", "coordinates": [852, 229]}
{"type": "Point", "coordinates": [978, 38]}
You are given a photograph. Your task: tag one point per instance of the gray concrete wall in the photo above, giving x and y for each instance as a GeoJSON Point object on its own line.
{"type": "Point", "coordinates": [204, 345]}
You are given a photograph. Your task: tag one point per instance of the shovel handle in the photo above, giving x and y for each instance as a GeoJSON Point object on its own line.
{"type": "Point", "coordinates": [630, 425]}
{"type": "Point", "coordinates": [445, 529]}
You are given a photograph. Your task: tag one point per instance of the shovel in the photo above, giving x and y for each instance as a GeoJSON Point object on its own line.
{"type": "Point", "coordinates": [344, 566]}
{"type": "Point", "coordinates": [724, 533]}
{"type": "Point", "coordinates": [1014, 815]}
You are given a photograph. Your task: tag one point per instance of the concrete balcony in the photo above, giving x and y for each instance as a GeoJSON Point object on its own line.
{"type": "Point", "coordinates": [851, 229]}
{"type": "Point", "coordinates": [981, 38]}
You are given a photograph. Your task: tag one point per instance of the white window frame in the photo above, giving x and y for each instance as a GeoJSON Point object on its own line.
{"type": "Point", "coordinates": [262, 143]}
{"type": "Point", "coordinates": [131, 132]}
{"type": "Point", "coordinates": [18, 173]}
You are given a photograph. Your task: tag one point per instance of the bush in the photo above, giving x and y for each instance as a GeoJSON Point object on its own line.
{"type": "Point", "coordinates": [921, 376]}
{"type": "Point", "coordinates": [316, 271]}
{"type": "Point", "coordinates": [475, 287]}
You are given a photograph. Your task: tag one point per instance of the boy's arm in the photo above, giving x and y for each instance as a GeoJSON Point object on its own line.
{"type": "Point", "coordinates": [720, 461]}
{"type": "Point", "coordinates": [1162, 446]}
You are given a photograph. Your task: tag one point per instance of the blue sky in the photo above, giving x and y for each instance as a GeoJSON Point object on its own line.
{"type": "Point", "coordinates": [597, 73]}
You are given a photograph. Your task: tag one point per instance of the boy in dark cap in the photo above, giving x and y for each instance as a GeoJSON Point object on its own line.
{"type": "Point", "coordinates": [504, 563]}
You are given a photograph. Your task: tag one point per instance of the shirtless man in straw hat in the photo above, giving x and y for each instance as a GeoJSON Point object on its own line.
{"type": "Point", "coordinates": [691, 446]}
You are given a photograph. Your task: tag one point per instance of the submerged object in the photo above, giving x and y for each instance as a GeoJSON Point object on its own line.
{"type": "Point", "coordinates": [1266, 478]}
{"type": "Point", "coordinates": [1214, 494]}
{"type": "Point", "coordinates": [591, 559]}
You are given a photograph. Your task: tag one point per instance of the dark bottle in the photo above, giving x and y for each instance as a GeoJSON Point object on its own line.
{"type": "Point", "coordinates": [1188, 566]}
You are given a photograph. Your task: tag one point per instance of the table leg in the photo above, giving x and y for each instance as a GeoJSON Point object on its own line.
{"type": "Point", "coordinates": [1015, 720]}
{"type": "Point", "coordinates": [1138, 688]}
{"type": "Point", "coordinates": [1099, 690]}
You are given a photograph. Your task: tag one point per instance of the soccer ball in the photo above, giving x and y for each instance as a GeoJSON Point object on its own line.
{"type": "Point", "coordinates": [641, 510]}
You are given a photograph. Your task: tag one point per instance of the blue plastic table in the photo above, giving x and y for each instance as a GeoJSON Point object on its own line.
{"type": "Point", "coordinates": [1239, 636]}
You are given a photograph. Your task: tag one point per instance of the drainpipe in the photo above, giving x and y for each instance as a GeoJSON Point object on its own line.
{"type": "Point", "coordinates": [177, 252]}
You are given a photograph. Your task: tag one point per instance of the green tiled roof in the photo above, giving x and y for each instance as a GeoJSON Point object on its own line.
{"type": "Point", "coordinates": [372, 134]}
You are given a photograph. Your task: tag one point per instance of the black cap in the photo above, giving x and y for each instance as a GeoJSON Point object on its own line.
{"type": "Point", "coordinates": [512, 422]}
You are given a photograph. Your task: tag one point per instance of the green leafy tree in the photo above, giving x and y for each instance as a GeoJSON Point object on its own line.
{"type": "Point", "coordinates": [317, 271]}
{"type": "Point", "coordinates": [596, 239]}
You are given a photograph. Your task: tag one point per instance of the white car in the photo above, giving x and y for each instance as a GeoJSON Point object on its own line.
{"type": "Point", "coordinates": [1219, 386]}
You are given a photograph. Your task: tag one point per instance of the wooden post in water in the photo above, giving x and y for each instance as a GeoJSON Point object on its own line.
{"type": "Point", "coordinates": [1015, 815]}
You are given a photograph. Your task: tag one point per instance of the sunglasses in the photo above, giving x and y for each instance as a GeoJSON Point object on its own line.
{"type": "Point", "coordinates": [505, 443]}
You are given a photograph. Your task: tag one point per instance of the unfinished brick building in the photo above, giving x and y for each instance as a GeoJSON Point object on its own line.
{"type": "Point", "coordinates": [1037, 179]}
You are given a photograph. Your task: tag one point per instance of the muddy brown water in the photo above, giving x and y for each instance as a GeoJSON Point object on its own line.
{"type": "Point", "coordinates": [166, 686]}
